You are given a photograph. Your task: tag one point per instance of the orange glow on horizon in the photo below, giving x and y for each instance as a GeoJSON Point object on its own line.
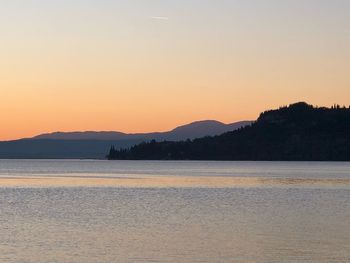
{"type": "Point", "coordinates": [118, 66]}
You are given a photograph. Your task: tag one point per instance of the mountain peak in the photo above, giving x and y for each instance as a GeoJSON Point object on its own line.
{"type": "Point", "coordinates": [205, 128]}
{"type": "Point", "coordinates": [200, 124]}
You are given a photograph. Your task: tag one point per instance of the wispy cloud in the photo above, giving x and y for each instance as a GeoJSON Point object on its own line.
{"type": "Point", "coordinates": [164, 18]}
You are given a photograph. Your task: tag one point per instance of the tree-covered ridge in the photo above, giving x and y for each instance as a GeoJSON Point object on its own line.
{"type": "Point", "coordinates": [295, 132]}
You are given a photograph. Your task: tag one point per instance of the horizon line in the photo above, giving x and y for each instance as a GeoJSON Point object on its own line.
{"type": "Point", "coordinates": [126, 133]}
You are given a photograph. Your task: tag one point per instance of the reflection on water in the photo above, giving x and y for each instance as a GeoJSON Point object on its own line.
{"type": "Point", "coordinates": [83, 211]}
{"type": "Point", "coordinates": [147, 181]}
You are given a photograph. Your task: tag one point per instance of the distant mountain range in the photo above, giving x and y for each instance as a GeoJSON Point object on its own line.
{"type": "Point", "coordinates": [91, 144]}
{"type": "Point", "coordinates": [299, 132]}
{"type": "Point", "coordinates": [190, 131]}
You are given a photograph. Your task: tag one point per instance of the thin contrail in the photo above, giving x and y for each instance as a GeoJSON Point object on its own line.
{"type": "Point", "coordinates": [159, 17]}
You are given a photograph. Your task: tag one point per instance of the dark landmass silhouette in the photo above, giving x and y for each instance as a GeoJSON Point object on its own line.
{"type": "Point", "coordinates": [189, 131]}
{"type": "Point", "coordinates": [93, 145]}
{"type": "Point", "coordinates": [298, 132]}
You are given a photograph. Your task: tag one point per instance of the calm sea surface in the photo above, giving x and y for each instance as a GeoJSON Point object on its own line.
{"type": "Point", "coordinates": [98, 211]}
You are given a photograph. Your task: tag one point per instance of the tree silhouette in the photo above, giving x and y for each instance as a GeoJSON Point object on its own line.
{"type": "Point", "coordinates": [295, 132]}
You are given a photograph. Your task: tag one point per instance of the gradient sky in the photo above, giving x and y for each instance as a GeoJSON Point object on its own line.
{"type": "Point", "coordinates": [139, 66]}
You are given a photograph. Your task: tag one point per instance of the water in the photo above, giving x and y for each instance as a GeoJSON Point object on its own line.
{"type": "Point", "coordinates": [99, 211]}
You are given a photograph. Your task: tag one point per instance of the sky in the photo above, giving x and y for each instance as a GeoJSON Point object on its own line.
{"type": "Point", "coordinates": [141, 66]}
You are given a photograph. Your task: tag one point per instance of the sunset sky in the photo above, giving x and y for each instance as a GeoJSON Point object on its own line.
{"type": "Point", "coordinates": [139, 66]}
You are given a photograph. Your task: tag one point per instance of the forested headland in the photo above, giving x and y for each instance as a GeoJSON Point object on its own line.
{"type": "Point", "coordinates": [298, 132]}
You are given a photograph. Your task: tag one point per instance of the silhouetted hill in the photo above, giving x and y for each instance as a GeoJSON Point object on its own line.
{"type": "Point", "coordinates": [297, 132]}
{"type": "Point", "coordinates": [86, 135]}
{"type": "Point", "coordinates": [201, 129]}
{"type": "Point", "coordinates": [189, 131]}
{"type": "Point", "coordinates": [82, 145]}
{"type": "Point", "coordinates": [59, 149]}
